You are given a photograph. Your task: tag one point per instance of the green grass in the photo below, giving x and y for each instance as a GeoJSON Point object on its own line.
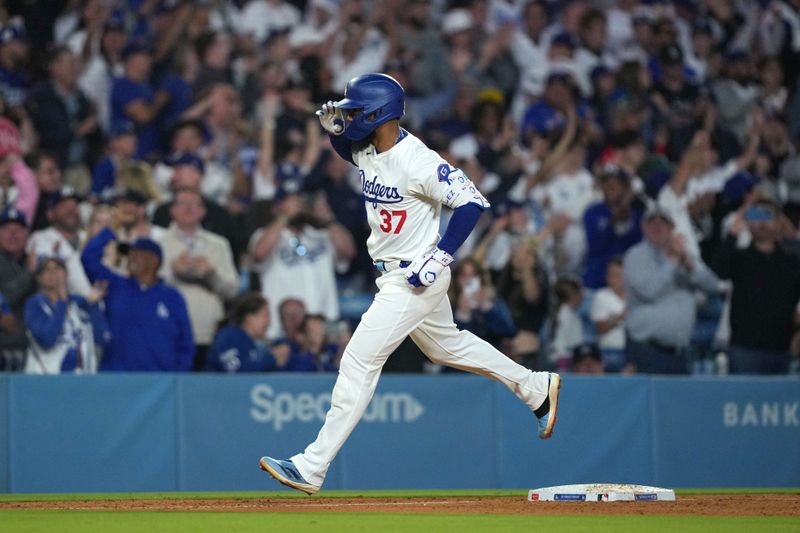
{"type": "Point", "coordinates": [46, 520]}
{"type": "Point", "coordinates": [153, 522]}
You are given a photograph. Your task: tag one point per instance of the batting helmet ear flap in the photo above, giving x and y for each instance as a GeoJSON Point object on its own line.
{"type": "Point", "coordinates": [369, 101]}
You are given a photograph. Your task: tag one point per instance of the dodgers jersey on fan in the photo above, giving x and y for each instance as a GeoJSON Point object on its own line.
{"type": "Point", "coordinates": [404, 189]}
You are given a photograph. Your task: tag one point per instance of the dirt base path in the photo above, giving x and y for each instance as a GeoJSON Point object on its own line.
{"type": "Point", "coordinates": [720, 505]}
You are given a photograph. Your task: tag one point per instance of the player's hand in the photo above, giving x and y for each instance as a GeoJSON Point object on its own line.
{"type": "Point", "coordinates": [424, 270]}
{"type": "Point", "coordinates": [331, 118]}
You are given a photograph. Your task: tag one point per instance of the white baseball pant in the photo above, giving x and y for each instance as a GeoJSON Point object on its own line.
{"type": "Point", "coordinates": [400, 310]}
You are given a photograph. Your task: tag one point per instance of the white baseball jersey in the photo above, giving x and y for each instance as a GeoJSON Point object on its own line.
{"type": "Point", "coordinates": [404, 189]}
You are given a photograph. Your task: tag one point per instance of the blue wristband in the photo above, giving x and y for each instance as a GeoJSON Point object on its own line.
{"type": "Point", "coordinates": [460, 226]}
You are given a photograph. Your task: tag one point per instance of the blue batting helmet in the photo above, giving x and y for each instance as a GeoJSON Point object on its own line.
{"type": "Point", "coordinates": [369, 101]}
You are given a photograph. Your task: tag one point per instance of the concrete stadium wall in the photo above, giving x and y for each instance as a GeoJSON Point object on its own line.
{"type": "Point", "coordinates": [169, 432]}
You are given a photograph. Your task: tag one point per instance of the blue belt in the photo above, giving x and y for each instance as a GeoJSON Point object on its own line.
{"type": "Point", "coordinates": [388, 266]}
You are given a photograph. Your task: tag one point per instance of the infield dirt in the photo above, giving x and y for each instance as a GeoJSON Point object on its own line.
{"type": "Point", "coordinates": [690, 505]}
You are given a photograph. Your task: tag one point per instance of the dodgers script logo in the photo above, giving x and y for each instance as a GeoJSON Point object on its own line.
{"type": "Point", "coordinates": [377, 193]}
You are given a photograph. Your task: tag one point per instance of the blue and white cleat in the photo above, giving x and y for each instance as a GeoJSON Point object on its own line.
{"type": "Point", "coordinates": [546, 413]}
{"type": "Point", "coordinates": [287, 474]}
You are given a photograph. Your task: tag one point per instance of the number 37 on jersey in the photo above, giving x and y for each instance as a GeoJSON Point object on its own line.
{"type": "Point", "coordinates": [392, 221]}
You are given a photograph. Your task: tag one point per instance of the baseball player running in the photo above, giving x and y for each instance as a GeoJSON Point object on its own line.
{"type": "Point", "coordinates": [404, 186]}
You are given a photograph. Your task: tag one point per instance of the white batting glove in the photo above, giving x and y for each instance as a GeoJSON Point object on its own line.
{"type": "Point", "coordinates": [424, 270]}
{"type": "Point", "coordinates": [331, 118]}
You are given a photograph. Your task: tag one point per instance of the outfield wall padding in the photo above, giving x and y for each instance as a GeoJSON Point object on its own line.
{"type": "Point", "coordinates": [168, 432]}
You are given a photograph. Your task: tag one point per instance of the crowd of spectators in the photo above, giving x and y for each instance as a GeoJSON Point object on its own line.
{"type": "Point", "coordinates": [168, 200]}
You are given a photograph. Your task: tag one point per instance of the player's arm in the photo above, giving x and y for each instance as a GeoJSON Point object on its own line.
{"type": "Point", "coordinates": [333, 122]}
{"type": "Point", "coordinates": [454, 189]}
{"type": "Point", "coordinates": [425, 269]}
{"type": "Point", "coordinates": [460, 226]}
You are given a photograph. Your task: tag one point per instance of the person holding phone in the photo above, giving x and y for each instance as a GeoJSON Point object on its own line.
{"type": "Point", "coordinates": [764, 315]}
{"type": "Point", "coordinates": [148, 319]}
{"type": "Point", "coordinates": [476, 305]}
{"type": "Point", "coordinates": [63, 328]}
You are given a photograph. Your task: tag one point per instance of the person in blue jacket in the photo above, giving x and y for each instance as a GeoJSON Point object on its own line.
{"type": "Point", "coordinates": [315, 352]}
{"type": "Point", "coordinates": [239, 346]}
{"type": "Point", "coordinates": [133, 98]}
{"type": "Point", "coordinates": [63, 328]}
{"type": "Point", "coordinates": [611, 226]}
{"type": "Point", "coordinates": [150, 328]}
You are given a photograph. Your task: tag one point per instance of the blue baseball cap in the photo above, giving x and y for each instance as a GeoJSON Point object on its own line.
{"type": "Point", "coordinates": [286, 188]}
{"type": "Point", "coordinates": [177, 159]}
{"type": "Point", "coordinates": [565, 39]}
{"type": "Point", "coordinates": [600, 70]}
{"type": "Point", "coordinates": [654, 182]}
{"type": "Point", "coordinates": [64, 193]}
{"type": "Point", "coordinates": [703, 25]}
{"type": "Point", "coordinates": [736, 56]}
{"type": "Point", "coordinates": [122, 127]}
{"type": "Point", "coordinates": [586, 350]}
{"type": "Point", "coordinates": [691, 5]}
{"type": "Point", "coordinates": [148, 245]}
{"type": "Point", "coordinates": [167, 6]}
{"type": "Point", "coordinates": [562, 75]}
{"type": "Point", "coordinates": [12, 32]}
{"type": "Point", "coordinates": [739, 185]}
{"type": "Point", "coordinates": [133, 48]}
{"type": "Point", "coordinates": [11, 214]}
{"type": "Point", "coordinates": [115, 22]}
{"type": "Point", "coordinates": [42, 261]}
{"type": "Point", "coordinates": [504, 205]}
{"type": "Point", "coordinates": [671, 55]}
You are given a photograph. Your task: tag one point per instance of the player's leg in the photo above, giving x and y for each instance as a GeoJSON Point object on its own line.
{"type": "Point", "coordinates": [438, 337]}
{"type": "Point", "coordinates": [395, 312]}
